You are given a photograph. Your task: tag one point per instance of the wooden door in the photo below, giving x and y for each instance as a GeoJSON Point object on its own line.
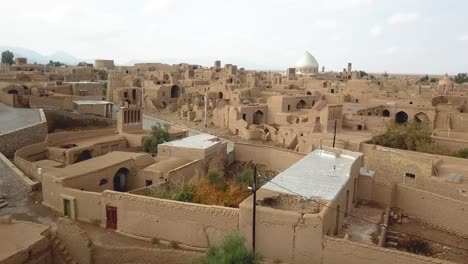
{"type": "Point", "coordinates": [111, 215]}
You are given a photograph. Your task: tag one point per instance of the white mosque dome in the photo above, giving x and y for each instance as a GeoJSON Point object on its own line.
{"type": "Point", "coordinates": [307, 64]}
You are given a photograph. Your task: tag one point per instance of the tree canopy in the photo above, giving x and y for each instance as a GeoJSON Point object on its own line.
{"type": "Point", "coordinates": [461, 78]}
{"type": "Point", "coordinates": [414, 136]}
{"type": "Point", "coordinates": [8, 57]}
{"type": "Point", "coordinates": [83, 63]}
{"type": "Point", "coordinates": [55, 63]}
{"type": "Point", "coordinates": [159, 134]}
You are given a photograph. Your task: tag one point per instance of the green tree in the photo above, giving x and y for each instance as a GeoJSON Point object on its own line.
{"type": "Point", "coordinates": [55, 63]}
{"type": "Point", "coordinates": [414, 136]}
{"type": "Point", "coordinates": [7, 57]}
{"type": "Point", "coordinates": [424, 79]}
{"type": "Point", "coordinates": [159, 134]}
{"type": "Point", "coordinates": [363, 73]}
{"type": "Point", "coordinates": [82, 64]}
{"type": "Point", "coordinates": [231, 251]}
{"type": "Point", "coordinates": [461, 78]}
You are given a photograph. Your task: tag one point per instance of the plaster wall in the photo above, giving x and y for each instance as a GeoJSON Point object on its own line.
{"type": "Point", "coordinates": [287, 236]}
{"type": "Point", "coordinates": [8, 99]}
{"type": "Point", "coordinates": [190, 224]}
{"type": "Point", "coordinates": [439, 211]}
{"type": "Point", "coordinates": [276, 159]}
{"type": "Point", "coordinates": [337, 251]}
{"type": "Point", "coordinates": [60, 102]}
{"type": "Point", "coordinates": [86, 206]}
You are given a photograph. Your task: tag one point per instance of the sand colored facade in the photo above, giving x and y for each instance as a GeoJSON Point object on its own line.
{"type": "Point", "coordinates": [102, 177]}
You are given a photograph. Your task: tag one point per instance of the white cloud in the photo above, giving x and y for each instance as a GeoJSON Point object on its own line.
{"type": "Point", "coordinates": [326, 24]}
{"type": "Point", "coordinates": [156, 7]}
{"type": "Point", "coordinates": [402, 18]}
{"type": "Point", "coordinates": [391, 50]}
{"type": "Point", "coordinates": [337, 37]}
{"type": "Point", "coordinates": [376, 31]}
{"type": "Point", "coordinates": [463, 38]}
{"type": "Point", "coordinates": [345, 4]}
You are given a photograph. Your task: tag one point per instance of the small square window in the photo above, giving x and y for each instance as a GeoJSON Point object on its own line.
{"type": "Point", "coordinates": [410, 175]}
{"type": "Point", "coordinates": [149, 182]}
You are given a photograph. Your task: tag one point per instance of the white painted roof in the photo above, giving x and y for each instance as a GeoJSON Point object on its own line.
{"type": "Point", "coordinates": [90, 102]}
{"type": "Point", "coordinates": [319, 175]}
{"type": "Point", "coordinates": [200, 141]}
{"type": "Point", "coordinates": [307, 61]}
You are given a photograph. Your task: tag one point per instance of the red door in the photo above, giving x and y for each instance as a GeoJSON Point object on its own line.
{"type": "Point", "coordinates": [111, 215]}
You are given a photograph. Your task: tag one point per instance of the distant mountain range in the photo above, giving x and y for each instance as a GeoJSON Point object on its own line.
{"type": "Point", "coordinates": [34, 56]}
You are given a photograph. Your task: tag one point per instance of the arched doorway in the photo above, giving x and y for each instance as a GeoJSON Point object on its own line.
{"type": "Point", "coordinates": [12, 92]}
{"type": "Point", "coordinates": [220, 95]}
{"type": "Point", "coordinates": [421, 118]}
{"type": "Point", "coordinates": [301, 105]}
{"type": "Point", "coordinates": [386, 113]}
{"type": "Point", "coordinates": [84, 155]}
{"type": "Point", "coordinates": [175, 91]}
{"type": "Point", "coordinates": [120, 180]}
{"type": "Point", "coordinates": [401, 117]}
{"type": "Point", "coordinates": [258, 117]}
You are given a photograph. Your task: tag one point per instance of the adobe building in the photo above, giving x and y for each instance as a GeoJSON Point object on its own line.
{"type": "Point", "coordinates": [304, 203]}
{"type": "Point", "coordinates": [104, 64]}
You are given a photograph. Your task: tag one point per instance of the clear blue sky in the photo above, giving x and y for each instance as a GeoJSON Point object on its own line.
{"type": "Point", "coordinates": [413, 36]}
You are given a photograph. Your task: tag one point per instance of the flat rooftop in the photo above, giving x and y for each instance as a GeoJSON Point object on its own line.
{"type": "Point", "coordinates": [19, 236]}
{"type": "Point", "coordinates": [16, 118]}
{"type": "Point", "coordinates": [90, 102]}
{"type": "Point", "coordinates": [319, 175]}
{"type": "Point", "coordinates": [200, 141]}
{"type": "Point", "coordinates": [98, 163]}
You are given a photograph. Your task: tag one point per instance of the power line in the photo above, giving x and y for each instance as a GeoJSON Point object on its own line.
{"type": "Point", "coordinates": [365, 220]}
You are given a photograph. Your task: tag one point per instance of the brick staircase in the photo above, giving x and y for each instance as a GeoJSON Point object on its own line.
{"type": "Point", "coordinates": [60, 253]}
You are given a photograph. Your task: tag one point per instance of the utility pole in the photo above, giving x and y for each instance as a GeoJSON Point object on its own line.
{"type": "Point", "coordinates": [142, 97]}
{"type": "Point", "coordinates": [334, 134]}
{"type": "Point", "coordinates": [206, 107]}
{"type": "Point", "coordinates": [254, 206]}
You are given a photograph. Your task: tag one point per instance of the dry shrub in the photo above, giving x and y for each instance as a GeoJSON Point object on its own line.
{"type": "Point", "coordinates": [230, 194]}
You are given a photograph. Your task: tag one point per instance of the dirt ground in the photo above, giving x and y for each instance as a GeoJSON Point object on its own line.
{"type": "Point", "coordinates": [23, 205]}
{"type": "Point", "coordinates": [364, 231]}
{"type": "Point", "coordinates": [438, 250]}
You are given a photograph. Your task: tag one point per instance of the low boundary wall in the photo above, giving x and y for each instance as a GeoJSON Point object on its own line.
{"type": "Point", "coordinates": [7, 165]}
{"type": "Point", "coordinates": [276, 159]}
{"type": "Point", "coordinates": [25, 136]}
{"type": "Point", "coordinates": [194, 225]}
{"type": "Point", "coordinates": [345, 251]}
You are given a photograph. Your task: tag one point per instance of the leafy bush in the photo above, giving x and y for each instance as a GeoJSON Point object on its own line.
{"type": "Point", "coordinates": [159, 134]}
{"type": "Point", "coordinates": [462, 153]}
{"type": "Point", "coordinates": [214, 177]}
{"type": "Point", "coordinates": [231, 251]}
{"type": "Point", "coordinates": [246, 178]}
{"type": "Point", "coordinates": [187, 193]}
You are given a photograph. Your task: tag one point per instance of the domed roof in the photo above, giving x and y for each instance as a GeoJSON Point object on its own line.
{"type": "Point", "coordinates": [307, 61]}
